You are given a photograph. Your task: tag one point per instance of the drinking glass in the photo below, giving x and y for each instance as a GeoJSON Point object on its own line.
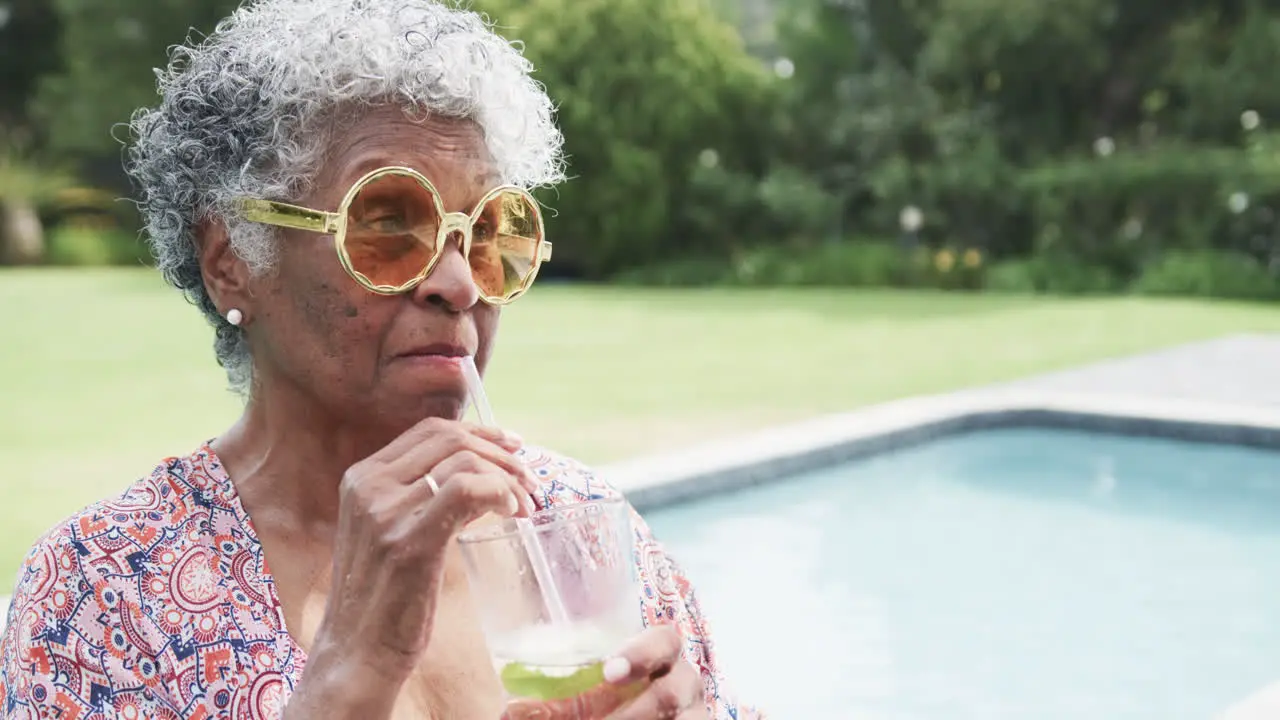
{"type": "Point", "coordinates": [557, 595]}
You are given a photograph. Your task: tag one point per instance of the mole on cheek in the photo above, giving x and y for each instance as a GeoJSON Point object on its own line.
{"type": "Point", "coordinates": [319, 306]}
{"type": "Point", "coordinates": [313, 303]}
{"type": "Point", "coordinates": [351, 311]}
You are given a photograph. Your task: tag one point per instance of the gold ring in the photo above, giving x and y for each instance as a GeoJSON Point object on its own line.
{"type": "Point", "coordinates": [431, 483]}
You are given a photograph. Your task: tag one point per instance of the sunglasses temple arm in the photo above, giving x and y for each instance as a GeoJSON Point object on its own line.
{"type": "Point", "coordinates": [290, 216]}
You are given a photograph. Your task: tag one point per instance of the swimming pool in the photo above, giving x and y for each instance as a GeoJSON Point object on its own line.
{"type": "Point", "coordinates": [1019, 573]}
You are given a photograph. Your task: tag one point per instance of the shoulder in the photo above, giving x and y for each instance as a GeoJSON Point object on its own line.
{"type": "Point", "coordinates": [100, 546]}
{"type": "Point", "coordinates": [78, 625]}
{"type": "Point", "coordinates": [52, 630]}
{"type": "Point", "coordinates": [564, 480]}
{"type": "Point", "coordinates": [107, 537]}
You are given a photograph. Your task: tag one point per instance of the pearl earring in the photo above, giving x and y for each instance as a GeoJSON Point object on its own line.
{"type": "Point", "coordinates": [235, 317]}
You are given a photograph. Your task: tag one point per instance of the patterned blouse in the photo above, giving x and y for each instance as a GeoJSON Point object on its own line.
{"type": "Point", "coordinates": [158, 604]}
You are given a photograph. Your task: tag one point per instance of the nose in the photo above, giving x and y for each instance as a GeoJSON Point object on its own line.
{"type": "Point", "coordinates": [449, 284]}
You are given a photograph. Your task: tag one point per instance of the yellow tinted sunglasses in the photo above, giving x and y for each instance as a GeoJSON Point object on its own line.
{"type": "Point", "coordinates": [391, 230]}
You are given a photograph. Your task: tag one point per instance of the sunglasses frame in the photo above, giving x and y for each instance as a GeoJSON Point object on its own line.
{"type": "Point", "coordinates": [279, 214]}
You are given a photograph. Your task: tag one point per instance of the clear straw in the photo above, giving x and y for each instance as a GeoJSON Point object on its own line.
{"type": "Point", "coordinates": [528, 537]}
{"type": "Point", "coordinates": [475, 388]}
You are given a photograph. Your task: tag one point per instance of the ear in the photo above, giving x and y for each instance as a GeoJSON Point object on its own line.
{"type": "Point", "coordinates": [226, 276]}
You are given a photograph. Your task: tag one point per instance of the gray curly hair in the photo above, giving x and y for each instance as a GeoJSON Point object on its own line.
{"type": "Point", "coordinates": [242, 112]}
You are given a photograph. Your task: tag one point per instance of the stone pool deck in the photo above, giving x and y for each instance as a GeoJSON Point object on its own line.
{"type": "Point", "coordinates": [1240, 370]}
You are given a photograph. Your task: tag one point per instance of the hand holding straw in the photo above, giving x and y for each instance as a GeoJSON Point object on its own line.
{"type": "Point", "coordinates": [528, 537]}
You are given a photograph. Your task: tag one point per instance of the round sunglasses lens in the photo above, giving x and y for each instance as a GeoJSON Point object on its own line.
{"type": "Point", "coordinates": [504, 243]}
{"type": "Point", "coordinates": [391, 230]}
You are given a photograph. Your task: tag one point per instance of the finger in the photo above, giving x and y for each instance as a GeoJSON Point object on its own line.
{"type": "Point", "coordinates": [505, 439]}
{"type": "Point", "coordinates": [501, 457]}
{"type": "Point", "coordinates": [463, 499]}
{"type": "Point", "coordinates": [420, 459]}
{"type": "Point", "coordinates": [432, 426]}
{"type": "Point", "coordinates": [473, 464]}
{"type": "Point", "coordinates": [650, 655]}
{"type": "Point", "coordinates": [412, 501]}
{"type": "Point", "coordinates": [667, 697]}
{"type": "Point", "coordinates": [470, 461]}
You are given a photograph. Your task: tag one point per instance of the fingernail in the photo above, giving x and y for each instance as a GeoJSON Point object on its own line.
{"type": "Point", "coordinates": [513, 438]}
{"type": "Point", "coordinates": [616, 668]}
{"type": "Point", "coordinates": [513, 505]}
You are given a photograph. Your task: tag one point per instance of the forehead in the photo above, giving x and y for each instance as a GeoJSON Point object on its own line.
{"type": "Point", "coordinates": [451, 152]}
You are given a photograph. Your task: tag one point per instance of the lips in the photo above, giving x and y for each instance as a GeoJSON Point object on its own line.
{"type": "Point", "coordinates": [447, 350]}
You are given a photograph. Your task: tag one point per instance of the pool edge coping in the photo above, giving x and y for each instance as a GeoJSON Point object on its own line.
{"type": "Point", "coordinates": [772, 454]}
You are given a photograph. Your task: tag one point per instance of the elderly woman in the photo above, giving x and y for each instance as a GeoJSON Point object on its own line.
{"type": "Point", "coordinates": [339, 185]}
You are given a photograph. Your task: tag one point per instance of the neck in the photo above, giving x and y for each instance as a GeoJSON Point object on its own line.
{"type": "Point", "coordinates": [286, 457]}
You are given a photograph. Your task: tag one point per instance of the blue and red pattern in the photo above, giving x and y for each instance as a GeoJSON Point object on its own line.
{"type": "Point", "coordinates": [158, 604]}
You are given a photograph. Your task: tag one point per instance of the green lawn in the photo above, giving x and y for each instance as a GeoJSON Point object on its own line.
{"type": "Point", "coordinates": [105, 372]}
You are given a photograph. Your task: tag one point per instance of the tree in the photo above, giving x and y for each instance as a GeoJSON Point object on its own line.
{"type": "Point", "coordinates": [643, 88]}
{"type": "Point", "coordinates": [24, 186]}
{"type": "Point", "coordinates": [109, 48]}
{"type": "Point", "coordinates": [28, 49]}
{"type": "Point", "coordinates": [29, 31]}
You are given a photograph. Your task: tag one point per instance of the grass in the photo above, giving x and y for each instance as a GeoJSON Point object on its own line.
{"type": "Point", "coordinates": [104, 372]}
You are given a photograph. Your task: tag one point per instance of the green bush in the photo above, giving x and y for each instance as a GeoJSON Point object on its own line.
{"type": "Point", "coordinates": [1208, 273]}
{"type": "Point", "coordinates": [673, 89]}
{"type": "Point", "coordinates": [76, 244]}
{"type": "Point", "coordinates": [1061, 275]}
{"type": "Point", "coordinates": [857, 263]}
{"type": "Point", "coordinates": [686, 272]}
{"type": "Point", "coordinates": [1118, 213]}
{"type": "Point", "coordinates": [850, 263]}
{"type": "Point", "coordinates": [1014, 276]}
{"type": "Point", "coordinates": [946, 268]}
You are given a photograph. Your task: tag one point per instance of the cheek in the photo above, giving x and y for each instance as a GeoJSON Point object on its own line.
{"type": "Point", "coordinates": [328, 334]}
{"type": "Point", "coordinates": [324, 308]}
{"type": "Point", "coordinates": [486, 319]}
{"type": "Point", "coordinates": [321, 296]}
{"type": "Point", "coordinates": [340, 321]}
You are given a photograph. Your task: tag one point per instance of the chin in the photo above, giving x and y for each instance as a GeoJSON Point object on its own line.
{"type": "Point", "coordinates": [407, 410]}
{"type": "Point", "coordinates": [449, 408]}
{"type": "Point", "coordinates": [397, 404]}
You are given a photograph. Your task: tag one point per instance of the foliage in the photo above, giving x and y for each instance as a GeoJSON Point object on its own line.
{"type": "Point", "coordinates": [25, 188]}
{"type": "Point", "coordinates": [855, 263]}
{"type": "Point", "coordinates": [1077, 146]}
{"type": "Point", "coordinates": [1118, 212]}
{"type": "Point", "coordinates": [681, 272]}
{"type": "Point", "coordinates": [852, 262]}
{"type": "Point", "coordinates": [87, 243]}
{"type": "Point", "coordinates": [29, 49]}
{"type": "Point", "coordinates": [647, 91]}
{"type": "Point", "coordinates": [1051, 274]}
{"type": "Point", "coordinates": [1209, 273]}
{"type": "Point", "coordinates": [1074, 142]}
{"type": "Point", "coordinates": [108, 49]}
{"type": "Point", "coordinates": [24, 177]}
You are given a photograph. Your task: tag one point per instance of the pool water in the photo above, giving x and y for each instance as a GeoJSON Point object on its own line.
{"type": "Point", "coordinates": [1018, 573]}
